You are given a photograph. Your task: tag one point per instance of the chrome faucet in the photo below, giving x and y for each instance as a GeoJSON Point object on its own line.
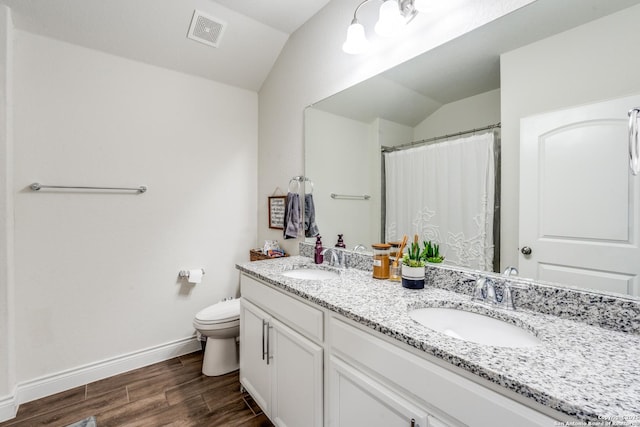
{"type": "Point", "coordinates": [338, 259]}
{"type": "Point", "coordinates": [485, 292]}
{"type": "Point", "coordinates": [359, 247]}
{"type": "Point", "coordinates": [507, 293]}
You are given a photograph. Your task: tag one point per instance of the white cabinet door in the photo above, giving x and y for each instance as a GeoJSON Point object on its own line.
{"type": "Point", "coordinates": [255, 375]}
{"type": "Point", "coordinates": [579, 205]}
{"type": "Point", "coordinates": [297, 375]}
{"type": "Point", "coordinates": [358, 400]}
{"type": "Point", "coordinates": [281, 369]}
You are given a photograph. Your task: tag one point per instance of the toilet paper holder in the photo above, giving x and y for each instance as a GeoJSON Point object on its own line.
{"type": "Point", "coordinates": [185, 273]}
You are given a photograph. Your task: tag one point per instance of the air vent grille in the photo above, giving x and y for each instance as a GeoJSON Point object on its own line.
{"type": "Point", "coordinates": [206, 29]}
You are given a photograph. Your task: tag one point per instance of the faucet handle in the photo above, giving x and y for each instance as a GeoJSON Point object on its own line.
{"type": "Point", "coordinates": [480, 290]}
{"type": "Point", "coordinates": [507, 298]}
{"type": "Point", "coordinates": [491, 297]}
{"type": "Point", "coordinates": [507, 294]}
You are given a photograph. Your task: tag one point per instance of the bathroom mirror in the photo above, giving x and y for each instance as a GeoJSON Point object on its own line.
{"type": "Point", "coordinates": [455, 87]}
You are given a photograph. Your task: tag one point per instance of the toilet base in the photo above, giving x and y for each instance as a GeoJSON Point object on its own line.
{"type": "Point", "coordinates": [220, 357]}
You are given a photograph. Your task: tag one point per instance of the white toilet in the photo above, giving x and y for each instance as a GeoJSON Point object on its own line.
{"type": "Point", "coordinates": [220, 323]}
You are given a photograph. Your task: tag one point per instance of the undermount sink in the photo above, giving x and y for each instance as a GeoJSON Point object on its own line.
{"type": "Point", "coordinates": [474, 327]}
{"type": "Point", "coordinates": [311, 274]}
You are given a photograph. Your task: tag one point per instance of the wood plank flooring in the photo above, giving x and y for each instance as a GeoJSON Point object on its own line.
{"type": "Point", "coordinates": [170, 393]}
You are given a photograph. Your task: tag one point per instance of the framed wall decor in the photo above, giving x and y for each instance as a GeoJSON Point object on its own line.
{"type": "Point", "coordinates": [276, 211]}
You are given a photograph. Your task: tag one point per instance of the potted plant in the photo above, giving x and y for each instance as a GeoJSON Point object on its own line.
{"type": "Point", "coordinates": [413, 266]}
{"type": "Point", "coordinates": [431, 252]}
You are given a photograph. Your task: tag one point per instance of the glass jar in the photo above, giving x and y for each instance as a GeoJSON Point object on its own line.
{"type": "Point", "coordinates": [381, 260]}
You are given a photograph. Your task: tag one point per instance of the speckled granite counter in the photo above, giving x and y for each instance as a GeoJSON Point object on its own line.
{"type": "Point", "coordinates": [585, 371]}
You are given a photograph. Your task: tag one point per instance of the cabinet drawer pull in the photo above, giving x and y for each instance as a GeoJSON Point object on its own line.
{"type": "Point", "coordinates": [413, 422]}
{"type": "Point", "coordinates": [264, 323]}
{"type": "Point", "coordinates": [268, 342]}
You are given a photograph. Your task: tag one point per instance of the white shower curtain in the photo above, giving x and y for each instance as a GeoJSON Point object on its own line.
{"type": "Point", "coordinates": [444, 192]}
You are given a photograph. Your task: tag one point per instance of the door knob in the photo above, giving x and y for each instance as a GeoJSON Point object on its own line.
{"type": "Point", "coordinates": [526, 250]}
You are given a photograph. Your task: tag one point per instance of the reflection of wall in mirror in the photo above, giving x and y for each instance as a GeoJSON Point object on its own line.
{"type": "Point", "coordinates": [332, 158]}
{"type": "Point", "coordinates": [339, 157]}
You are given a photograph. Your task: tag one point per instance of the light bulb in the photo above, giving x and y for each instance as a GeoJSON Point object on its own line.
{"type": "Point", "coordinates": [356, 41]}
{"type": "Point", "coordinates": [390, 20]}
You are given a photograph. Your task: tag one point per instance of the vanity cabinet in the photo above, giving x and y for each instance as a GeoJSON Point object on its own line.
{"type": "Point", "coordinates": [367, 369]}
{"type": "Point", "coordinates": [309, 366]}
{"type": "Point", "coordinates": [279, 367]}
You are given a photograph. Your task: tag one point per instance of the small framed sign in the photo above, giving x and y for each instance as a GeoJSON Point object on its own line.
{"type": "Point", "coordinates": [276, 211]}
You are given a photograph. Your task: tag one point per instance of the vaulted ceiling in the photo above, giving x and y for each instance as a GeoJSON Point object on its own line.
{"type": "Point", "coordinates": [154, 31]}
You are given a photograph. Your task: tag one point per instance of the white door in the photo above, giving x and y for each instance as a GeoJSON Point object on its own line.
{"type": "Point", "coordinates": [255, 375]}
{"type": "Point", "coordinates": [297, 379]}
{"type": "Point", "coordinates": [579, 203]}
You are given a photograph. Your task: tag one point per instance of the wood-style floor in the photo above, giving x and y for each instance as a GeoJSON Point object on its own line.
{"type": "Point", "coordinates": [170, 393]}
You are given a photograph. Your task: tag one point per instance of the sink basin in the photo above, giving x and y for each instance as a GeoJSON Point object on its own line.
{"type": "Point", "coordinates": [311, 274]}
{"type": "Point", "coordinates": [474, 327]}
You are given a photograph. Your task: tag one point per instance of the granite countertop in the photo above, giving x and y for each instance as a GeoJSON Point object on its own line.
{"type": "Point", "coordinates": [584, 371]}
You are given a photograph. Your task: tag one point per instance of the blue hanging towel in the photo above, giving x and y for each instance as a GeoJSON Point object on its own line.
{"type": "Point", "coordinates": [292, 216]}
{"type": "Point", "coordinates": [310, 226]}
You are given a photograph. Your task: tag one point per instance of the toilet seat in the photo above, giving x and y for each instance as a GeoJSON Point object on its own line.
{"type": "Point", "coordinates": [222, 312]}
{"type": "Point", "coordinates": [214, 325]}
{"type": "Point", "coordinates": [220, 324]}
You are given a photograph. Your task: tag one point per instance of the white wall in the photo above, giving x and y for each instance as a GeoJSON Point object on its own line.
{"type": "Point", "coordinates": [7, 377]}
{"type": "Point", "coordinates": [388, 134]}
{"type": "Point", "coordinates": [96, 273]}
{"type": "Point", "coordinates": [469, 113]}
{"type": "Point", "coordinates": [392, 133]}
{"type": "Point", "coordinates": [312, 66]}
{"type": "Point", "coordinates": [587, 64]}
{"type": "Point", "coordinates": [338, 158]}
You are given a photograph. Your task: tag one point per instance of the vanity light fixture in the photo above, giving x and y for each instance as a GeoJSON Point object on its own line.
{"type": "Point", "coordinates": [393, 15]}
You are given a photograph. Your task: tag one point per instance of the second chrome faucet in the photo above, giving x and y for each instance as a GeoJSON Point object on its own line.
{"type": "Point", "coordinates": [485, 292]}
{"type": "Point", "coordinates": [338, 257]}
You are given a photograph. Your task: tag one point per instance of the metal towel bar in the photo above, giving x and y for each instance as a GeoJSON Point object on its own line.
{"type": "Point", "coordinates": [36, 186]}
{"type": "Point", "coordinates": [350, 196]}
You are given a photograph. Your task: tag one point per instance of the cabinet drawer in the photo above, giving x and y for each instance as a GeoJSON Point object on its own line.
{"type": "Point", "coordinates": [299, 316]}
{"type": "Point", "coordinates": [447, 392]}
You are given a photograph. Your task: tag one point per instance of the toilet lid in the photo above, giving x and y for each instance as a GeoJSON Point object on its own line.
{"type": "Point", "coordinates": [223, 311]}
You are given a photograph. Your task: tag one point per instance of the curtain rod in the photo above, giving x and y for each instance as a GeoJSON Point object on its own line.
{"type": "Point", "coordinates": [407, 145]}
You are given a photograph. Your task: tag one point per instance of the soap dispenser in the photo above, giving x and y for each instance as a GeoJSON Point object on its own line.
{"type": "Point", "coordinates": [340, 243]}
{"type": "Point", "coordinates": [318, 256]}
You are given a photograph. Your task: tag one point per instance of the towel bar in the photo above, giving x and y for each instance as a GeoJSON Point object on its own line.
{"type": "Point", "coordinates": [37, 186]}
{"type": "Point", "coordinates": [350, 196]}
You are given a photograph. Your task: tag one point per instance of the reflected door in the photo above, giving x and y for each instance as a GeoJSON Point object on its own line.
{"type": "Point", "coordinates": [579, 204]}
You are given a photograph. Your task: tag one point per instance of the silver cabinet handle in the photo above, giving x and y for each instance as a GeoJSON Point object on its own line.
{"type": "Point", "coordinates": [264, 324]}
{"type": "Point", "coordinates": [268, 342]}
{"type": "Point", "coordinates": [634, 141]}
{"type": "Point", "coordinates": [526, 250]}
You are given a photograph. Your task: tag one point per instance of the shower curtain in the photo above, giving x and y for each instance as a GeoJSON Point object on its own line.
{"type": "Point", "coordinates": [444, 192]}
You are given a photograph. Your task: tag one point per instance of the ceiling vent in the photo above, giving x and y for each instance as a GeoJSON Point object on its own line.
{"type": "Point", "coordinates": [206, 29]}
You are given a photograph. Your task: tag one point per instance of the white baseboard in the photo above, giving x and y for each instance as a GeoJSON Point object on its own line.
{"type": "Point", "coordinates": [81, 375]}
{"type": "Point", "coordinates": [8, 408]}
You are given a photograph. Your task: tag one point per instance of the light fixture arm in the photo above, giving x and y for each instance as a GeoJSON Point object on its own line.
{"type": "Point", "coordinates": [355, 13]}
{"type": "Point", "coordinates": [356, 41]}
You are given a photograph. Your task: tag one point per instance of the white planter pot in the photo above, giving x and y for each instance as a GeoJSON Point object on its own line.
{"type": "Point", "coordinates": [412, 277]}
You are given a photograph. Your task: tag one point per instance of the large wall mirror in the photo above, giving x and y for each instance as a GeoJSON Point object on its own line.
{"type": "Point", "coordinates": [548, 56]}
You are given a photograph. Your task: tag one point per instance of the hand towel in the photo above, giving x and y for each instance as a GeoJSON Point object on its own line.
{"type": "Point", "coordinates": [310, 226]}
{"type": "Point", "coordinates": [292, 220]}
